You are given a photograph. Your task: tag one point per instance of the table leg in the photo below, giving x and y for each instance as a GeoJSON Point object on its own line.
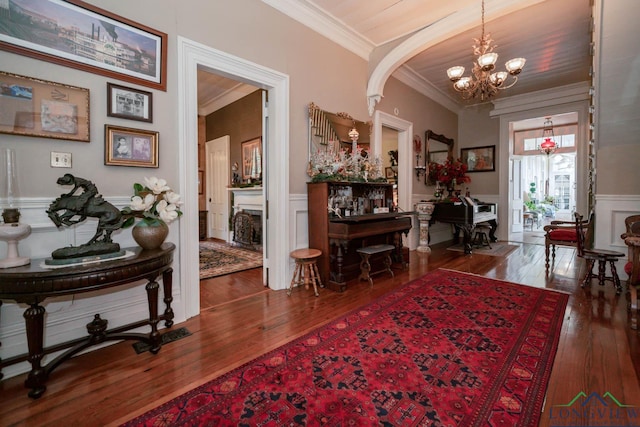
{"type": "Point", "coordinates": [34, 320]}
{"type": "Point", "coordinates": [152, 297]}
{"type": "Point", "coordinates": [1, 374]}
{"type": "Point", "coordinates": [492, 232]}
{"type": "Point", "coordinates": [167, 284]}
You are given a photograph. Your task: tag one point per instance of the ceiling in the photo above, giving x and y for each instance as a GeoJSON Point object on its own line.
{"type": "Point", "coordinates": [554, 37]}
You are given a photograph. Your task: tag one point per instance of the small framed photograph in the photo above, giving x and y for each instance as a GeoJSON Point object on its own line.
{"type": "Point", "coordinates": [479, 159]}
{"type": "Point", "coordinates": [33, 107]}
{"type": "Point", "coordinates": [200, 181]}
{"type": "Point", "coordinates": [130, 147]}
{"type": "Point", "coordinates": [127, 103]}
{"type": "Point", "coordinates": [390, 172]}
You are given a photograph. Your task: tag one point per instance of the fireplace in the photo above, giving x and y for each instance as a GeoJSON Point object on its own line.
{"type": "Point", "coordinates": [247, 228]}
{"type": "Point", "coordinates": [247, 216]}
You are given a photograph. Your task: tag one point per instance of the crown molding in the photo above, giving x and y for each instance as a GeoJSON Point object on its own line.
{"type": "Point", "coordinates": [237, 92]}
{"type": "Point", "coordinates": [540, 99]}
{"type": "Point", "coordinates": [412, 79]}
{"type": "Point", "coordinates": [324, 24]}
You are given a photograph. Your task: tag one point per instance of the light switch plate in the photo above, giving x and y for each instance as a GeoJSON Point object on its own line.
{"type": "Point", "coordinates": [60, 160]}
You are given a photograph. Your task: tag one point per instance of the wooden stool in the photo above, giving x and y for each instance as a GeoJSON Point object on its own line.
{"type": "Point", "coordinates": [306, 269]}
{"type": "Point", "coordinates": [481, 238]}
{"type": "Point", "coordinates": [365, 266]}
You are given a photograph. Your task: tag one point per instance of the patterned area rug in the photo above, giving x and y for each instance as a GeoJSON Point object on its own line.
{"type": "Point", "coordinates": [217, 259]}
{"type": "Point", "coordinates": [497, 249]}
{"type": "Point", "coordinates": [448, 349]}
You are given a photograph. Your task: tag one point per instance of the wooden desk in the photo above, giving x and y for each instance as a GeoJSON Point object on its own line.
{"type": "Point", "coordinates": [32, 284]}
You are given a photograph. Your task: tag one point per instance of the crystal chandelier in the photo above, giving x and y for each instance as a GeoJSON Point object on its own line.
{"type": "Point", "coordinates": [548, 146]}
{"type": "Point", "coordinates": [483, 82]}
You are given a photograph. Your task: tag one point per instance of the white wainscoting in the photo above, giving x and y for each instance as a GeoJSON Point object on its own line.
{"type": "Point", "coordinates": [67, 317]}
{"type": "Point", "coordinates": [611, 211]}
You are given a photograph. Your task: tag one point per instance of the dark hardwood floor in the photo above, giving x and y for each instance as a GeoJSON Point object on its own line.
{"type": "Point", "coordinates": [240, 320]}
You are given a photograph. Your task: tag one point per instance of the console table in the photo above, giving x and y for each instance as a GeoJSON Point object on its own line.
{"type": "Point", "coordinates": [32, 284]}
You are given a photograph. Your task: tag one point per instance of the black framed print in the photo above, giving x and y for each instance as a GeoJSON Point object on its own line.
{"type": "Point", "coordinates": [127, 103]}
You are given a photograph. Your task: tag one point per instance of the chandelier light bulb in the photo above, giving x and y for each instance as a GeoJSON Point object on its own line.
{"type": "Point", "coordinates": [515, 65]}
{"type": "Point", "coordinates": [487, 61]}
{"type": "Point", "coordinates": [498, 78]}
{"type": "Point", "coordinates": [463, 84]}
{"type": "Point", "coordinates": [455, 73]}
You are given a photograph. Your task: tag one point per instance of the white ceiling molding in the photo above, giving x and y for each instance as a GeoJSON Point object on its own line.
{"type": "Point", "coordinates": [412, 79]}
{"type": "Point", "coordinates": [463, 20]}
{"type": "Point", "coordinates": [237, 92]}
{"type": "Point", "coordinates": [319, 22]}
{"type": "Point", "coordinates": [540, 99]}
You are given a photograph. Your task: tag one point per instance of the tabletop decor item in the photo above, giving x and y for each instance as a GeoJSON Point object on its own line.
{"type": "Point", "coordinates": [11, 230]}
{"type": "Point", "coordinates": [156, 205]}
{"type": "Point", "coordinates": [450, 174]}
{"type": "Point", "coordinates": [74, 207]}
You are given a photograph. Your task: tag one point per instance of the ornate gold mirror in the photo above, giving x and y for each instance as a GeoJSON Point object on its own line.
{"type": "Point", "coordinates": [331, 132]}
{"type": "Point", "coordinates": [438, 148]}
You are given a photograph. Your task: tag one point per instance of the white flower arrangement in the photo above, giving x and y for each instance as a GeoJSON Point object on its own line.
{"type": "Point", "coordinates": [154, 203]}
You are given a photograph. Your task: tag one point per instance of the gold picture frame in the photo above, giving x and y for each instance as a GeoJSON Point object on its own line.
{"type": "Point", "coordinates": [130, 147]}
{"type": "Point", "coordinates": [40, 108]}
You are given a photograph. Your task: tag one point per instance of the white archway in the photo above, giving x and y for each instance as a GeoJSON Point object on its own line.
{"type": "Point", "coordinates": [458, 22]}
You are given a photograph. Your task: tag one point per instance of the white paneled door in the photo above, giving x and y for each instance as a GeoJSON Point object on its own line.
{"type": "Point", "coordinates": [217, 155]}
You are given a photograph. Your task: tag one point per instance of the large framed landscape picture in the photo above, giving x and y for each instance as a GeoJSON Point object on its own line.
{"type": "Point", "coordinates": [79, 35]}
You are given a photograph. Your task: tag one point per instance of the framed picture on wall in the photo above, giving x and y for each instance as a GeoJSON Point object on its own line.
{"type": "Point", "coordinates": [127, 103]}
{"type": "Point", "coordinates": [252, 159]}
{"type": "Point", "coordinates": [479, 159]}
{"type": "Point", "coordinates": [34, 107]}
{"type": "Point", "coordinates": [111, 45]}
{"type": "Point", "coordinates": [130, 147]}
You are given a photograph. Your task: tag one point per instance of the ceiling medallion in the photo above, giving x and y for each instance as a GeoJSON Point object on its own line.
{"type": "Point", "coordinates": [483, 83]}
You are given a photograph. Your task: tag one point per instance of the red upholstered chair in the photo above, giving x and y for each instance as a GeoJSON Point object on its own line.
{"type": "Point", "coordinates": [603, 256]}
{"type": "Point", "coordinates": [563, 233]}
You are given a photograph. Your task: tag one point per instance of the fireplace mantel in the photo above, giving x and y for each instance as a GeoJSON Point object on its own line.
{"type": "Point", "coordinates": [247, 199]}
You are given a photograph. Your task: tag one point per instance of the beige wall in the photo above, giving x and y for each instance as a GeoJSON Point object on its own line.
{"type": "Point", "coordinates": [423, 113]}
{"type": "Point", "coordinates": [618, 100]}
{"type": "Point", "coordinates": [479, 130]}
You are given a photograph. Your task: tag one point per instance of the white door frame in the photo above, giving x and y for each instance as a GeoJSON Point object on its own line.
{"type": "Point", "coordinates": [405, 153]}
{"type": "Point", "coordinates": [504, 153]}
{"type": "Point", "coordinates": [192, 55]}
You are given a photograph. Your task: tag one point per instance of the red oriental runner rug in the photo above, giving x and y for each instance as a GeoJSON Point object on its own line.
{"type": "Point", "coordinates": [448, 349]}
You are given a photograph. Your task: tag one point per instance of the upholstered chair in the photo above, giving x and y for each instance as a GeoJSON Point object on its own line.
{"type": "Point", "coordinates": [632, 239]}
{"type": "Point", "coordinates": [563, 233]}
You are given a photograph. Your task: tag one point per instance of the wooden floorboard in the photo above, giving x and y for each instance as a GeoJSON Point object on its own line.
{"type": "Point", "coordinates": [240, 319]}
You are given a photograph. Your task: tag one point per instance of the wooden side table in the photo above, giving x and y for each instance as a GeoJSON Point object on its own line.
{"type": "Point", "coordinates": [32, 284]}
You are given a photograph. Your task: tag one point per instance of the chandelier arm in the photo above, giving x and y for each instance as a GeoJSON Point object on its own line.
{"type": "Point", "coordinates": [515, 80]}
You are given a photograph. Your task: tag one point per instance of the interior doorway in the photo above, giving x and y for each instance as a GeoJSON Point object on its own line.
{"type": "Point", "coordinates": [191, 56]}
{"type": "Point", "coordinates": [543, 185]}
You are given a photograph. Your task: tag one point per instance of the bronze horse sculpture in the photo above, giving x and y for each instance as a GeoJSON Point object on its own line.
{"type": "Point", "coordinates": [71, 208]}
